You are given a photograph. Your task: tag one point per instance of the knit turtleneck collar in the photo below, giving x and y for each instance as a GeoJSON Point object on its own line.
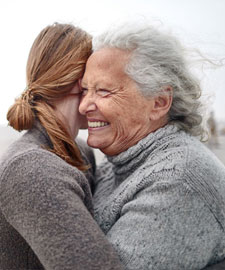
{"type": "Point", "coordinates": [128, 160]}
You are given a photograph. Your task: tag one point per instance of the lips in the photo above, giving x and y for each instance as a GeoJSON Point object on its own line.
{"type": "Point", "coordinates": [97, 124]}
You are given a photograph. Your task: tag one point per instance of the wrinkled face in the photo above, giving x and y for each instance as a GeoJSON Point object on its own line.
{"type": "Point", "coordinates": [67, 110]}
{"type": "Point", "coordinates": [118, 115]}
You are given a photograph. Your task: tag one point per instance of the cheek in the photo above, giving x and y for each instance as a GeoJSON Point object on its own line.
{"type": "Point", "coordinates": [75, 103]}
{"type": "Point", "coordinates": [104, 107]}
{"type": "Point", "coordinates": [73, 106]}
{"type": "Point", "coordinates": [120, 124]}
{"type": "Point", "coordinates": [110, 107]}
{"type": "Point", "coordinates": [114, 112]}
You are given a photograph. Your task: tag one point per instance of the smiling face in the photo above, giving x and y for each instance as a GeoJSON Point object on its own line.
{"type": "Point", "coordinates": [118, 115]}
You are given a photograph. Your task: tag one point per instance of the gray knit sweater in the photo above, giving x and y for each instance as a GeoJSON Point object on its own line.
{"type": "Point", "coordinates": [161, 203]}
{"type": "Point", "coordinates": [44, 217]}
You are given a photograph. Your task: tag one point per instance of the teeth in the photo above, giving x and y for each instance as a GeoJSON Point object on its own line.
{"type": "Point", "coordinates": [97, 124]}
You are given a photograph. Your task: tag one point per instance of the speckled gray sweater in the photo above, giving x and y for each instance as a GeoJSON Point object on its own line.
{"type": "Point", "coordinates": [161, 203]}
{"type": "Point", "coordinates": [45, 221]}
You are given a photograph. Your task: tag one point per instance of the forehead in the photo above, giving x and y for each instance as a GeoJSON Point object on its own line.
{"type": "Point", "coordinates": [107, 64]}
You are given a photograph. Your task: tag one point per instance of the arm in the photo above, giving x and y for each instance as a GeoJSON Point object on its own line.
{"type": "Point", "coordinates": [41, 199]}
{"type": "Point", "coordinates": [165, 226]}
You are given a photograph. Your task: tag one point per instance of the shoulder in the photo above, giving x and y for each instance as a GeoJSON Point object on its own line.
{"type": "Point", "coordinates": [31, 152]}
{"type": "Point", "coordinates": [180, 153]}
{"type": "Point", "coordinates": [187, 163]}
{"type": "Point", "coordinates": [195, 161]}
{"type": "Point", "coordinates": [22, 152]}
{"type": "Point", "coordinates": [39, 169]}
{"type": "Point", "coordinates": [181, 158]}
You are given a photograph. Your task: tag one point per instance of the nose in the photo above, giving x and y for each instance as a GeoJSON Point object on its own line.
{"type": "Point", "coordinates": [87, 104]}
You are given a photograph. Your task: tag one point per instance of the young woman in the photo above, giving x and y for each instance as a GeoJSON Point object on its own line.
{"type": "Point", "coordinates": [45, 177]}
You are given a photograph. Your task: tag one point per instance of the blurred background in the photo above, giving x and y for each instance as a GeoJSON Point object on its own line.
{"type": "Point", "coordinates": [199, 24]}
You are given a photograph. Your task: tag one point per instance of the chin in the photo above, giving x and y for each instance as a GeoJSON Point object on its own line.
{"type": "Point", "coordinates": [96, 143]}
{"type": "Point", "coordinates": [92, 143]}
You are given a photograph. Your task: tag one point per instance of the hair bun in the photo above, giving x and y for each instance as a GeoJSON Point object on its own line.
{"type": "Point", "coordinates": [20, 115]}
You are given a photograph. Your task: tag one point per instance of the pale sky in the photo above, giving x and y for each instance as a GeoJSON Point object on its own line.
{"type": "Point", "coordinates": [198, 23]}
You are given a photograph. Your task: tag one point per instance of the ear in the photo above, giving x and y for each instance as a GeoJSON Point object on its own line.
{"type": "Point", "coordinates": [162, 104]}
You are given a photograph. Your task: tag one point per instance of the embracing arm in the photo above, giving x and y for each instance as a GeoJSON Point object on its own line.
{"type": "Point", "coordinates": [42, 201]}
{"type": "Point", "coordinates": [165, 226]}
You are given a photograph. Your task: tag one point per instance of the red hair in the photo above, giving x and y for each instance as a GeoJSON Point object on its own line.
{"type": "Point", "coordinates": [56, 61]}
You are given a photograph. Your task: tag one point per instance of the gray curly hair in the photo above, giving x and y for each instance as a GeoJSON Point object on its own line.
{"type": "Point", "coordinates": [157, 61]}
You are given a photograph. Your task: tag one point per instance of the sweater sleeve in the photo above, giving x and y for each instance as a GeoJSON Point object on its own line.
{"type": "Point", "coordinates": [164, 227]}
{"type": "Point", "coordinates": [42, 198]}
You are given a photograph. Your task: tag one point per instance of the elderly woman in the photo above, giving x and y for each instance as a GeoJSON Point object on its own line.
{"type": "Point", "coordinates": [160, 196]}
{"type": "Point", "coordinates": [46, 207]}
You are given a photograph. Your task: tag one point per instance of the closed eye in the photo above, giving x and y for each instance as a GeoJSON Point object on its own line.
{"type": "Point", "coordinates": [103, 92]}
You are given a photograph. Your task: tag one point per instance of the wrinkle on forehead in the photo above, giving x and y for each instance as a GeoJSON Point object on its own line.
{"type": "Point", "coordinates": [107, 57]}
{"type": "Point", "coordinates": [104, 64]}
